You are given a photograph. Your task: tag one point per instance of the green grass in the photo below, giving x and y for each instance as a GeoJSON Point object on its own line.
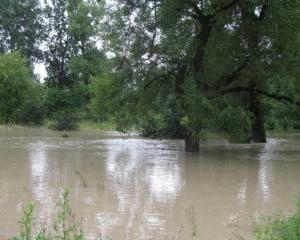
{"type": "Point", "coordinates": [280, 227]}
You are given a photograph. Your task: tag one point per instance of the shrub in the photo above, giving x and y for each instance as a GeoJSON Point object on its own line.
{"type": "Point", "coordinates": [32, 113]}
{"type": "Point", "coordinates": [65, 122]}
{"type": "Point", "coordinates": [16, 86]}
{"type": "Point", "coordinates": [281, 228]}
{"type": "Point", "coordinates": [235, 123]}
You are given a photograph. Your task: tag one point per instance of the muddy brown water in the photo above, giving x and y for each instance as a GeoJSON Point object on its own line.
{"type": "Point", "coordinates": [134, 188]}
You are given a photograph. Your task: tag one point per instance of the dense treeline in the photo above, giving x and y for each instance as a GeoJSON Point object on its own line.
{"type": "Point", "coordinates": [169, 68]}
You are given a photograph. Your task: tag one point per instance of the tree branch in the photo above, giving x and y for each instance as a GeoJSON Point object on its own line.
{"type": "Point", "coordinates": [225, 7]}
{"type": "Point", "coordinates": [198, 12]}
{"type": "Point", "coordinates": [281, 98]}
{"type": "Point", "coordinates": [230, 78]}
{"type": "Point", "coordinates": [153, 80]}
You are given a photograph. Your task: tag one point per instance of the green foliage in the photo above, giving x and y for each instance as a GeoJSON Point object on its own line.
{"type": "Point", "coordinates": [17, 87]}
{"type": "Point", "coordinates": [33, 113]}
{"type": "Point", "coordinates": [63, 121]}
{"type": "Point", "coordinates": [198, 110]}
{"type": "Point", "coordinates": [71, 55]}
{"type": "Point", "coordinates": [65, 226]}
{"type": "Point", "coordinates": [105, 97]}
{"type": "Point", "coordinates": [60, 100]}
{"type": "Point", "coordinates": [165, 67]}
{"type": "Point", "coordinates": [202, 52]}
{"type": "Point", "coordinates": [280, 117]}
{"type": "Point", "coordinates": [27, 223]}
{"type": "Point", "coordinates": [235, 123]}
{"type": "Point", "coordinates": [153, 126]}
{"type": "Point", "coordinates": [21, 27]}
{"type": "Point", "coordinates": [281, 228]}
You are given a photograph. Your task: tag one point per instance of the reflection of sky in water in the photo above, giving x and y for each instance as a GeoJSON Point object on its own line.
{"type": "Point", "coordinates": [38, 158]}
{"type": "Point", "coordinates": [39, 180]}
{"type": "Point", "coordinates": [160, 173]}
{"type": "Point", "coordinates": [265, 175]}
{"type": "Point", "coordinates": [164, 181]}
{"type": "Point", "coordinates": [139, 177]}
{"type": "Point", "coordinates": [242, 192]}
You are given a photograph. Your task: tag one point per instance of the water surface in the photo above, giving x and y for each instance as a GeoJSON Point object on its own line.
{"type": "Point", "coordinates": [134, 188]}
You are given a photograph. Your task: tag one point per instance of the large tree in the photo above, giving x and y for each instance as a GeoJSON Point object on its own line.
{"type": "Point", "coordinates": [204, 54]}
{"type": "Point", "coordinates": [271, 60]}
{"type": "Point", "coordinates": [17, 86]}
{"type": "Point", "coordinates": [70, 52]}
{"type": "Point", "coordinates": [21, 27]}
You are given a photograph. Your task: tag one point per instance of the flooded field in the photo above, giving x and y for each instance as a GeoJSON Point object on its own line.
{"type": "Point", "coordinates": [134, 188]}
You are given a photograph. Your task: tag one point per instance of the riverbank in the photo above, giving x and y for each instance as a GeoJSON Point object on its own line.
{"type": "Point", "coordinates": [83, 125]}
{"type": "Point", "coordinates": [88, 125]}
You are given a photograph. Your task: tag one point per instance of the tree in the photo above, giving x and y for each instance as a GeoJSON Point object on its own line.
{"type": "Point", "coordinates": [17, 86]}
{"type": "Point", "coordinates": [70, 50]}
{"type": "Point", "coordinates": [271, 64]}
{"type": "Point", "coordinates": [21, 27]}
{"type": "Point", "coordinates": [205, 53]}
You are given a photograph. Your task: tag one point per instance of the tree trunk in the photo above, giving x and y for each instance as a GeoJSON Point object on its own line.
{"type": "Point", "coordinates": [191, 143]}
{"type": "Point", "coordinates": [258, 128]}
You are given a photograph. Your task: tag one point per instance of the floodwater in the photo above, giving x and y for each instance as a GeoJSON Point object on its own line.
{"type": "Point", "coordinates": [134, 188]}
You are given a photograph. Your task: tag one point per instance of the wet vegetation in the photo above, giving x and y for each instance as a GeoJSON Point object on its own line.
{"type": "Point", "coordinates": [67, 227]}
{"type": "Point", "coordinates": [281, 227]}
{"type": "Point", "coordinates": [169, 69]}
{"type": "Point", "coordinates": [179, 69]}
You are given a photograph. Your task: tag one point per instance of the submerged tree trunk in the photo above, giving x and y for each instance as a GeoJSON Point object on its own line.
{"type": "Point", "coordinates": [258, 128]}
{"type": "Point", "coordinates": [191, 143]}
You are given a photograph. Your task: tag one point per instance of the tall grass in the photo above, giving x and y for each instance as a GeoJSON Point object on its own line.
{"type": "Point", "coordinates": [281, 227]}
{"type": "Point", "coordinates": [65, 226]}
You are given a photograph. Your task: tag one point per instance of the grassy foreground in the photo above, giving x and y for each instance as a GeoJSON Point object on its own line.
{"type": "Point", "coordinates": [66, 227]}
{"type": "Point", "coordinates": [281, 227]}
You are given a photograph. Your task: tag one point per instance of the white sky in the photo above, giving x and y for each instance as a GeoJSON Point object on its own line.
{"type": "Point", "coordinates": [40, 71]}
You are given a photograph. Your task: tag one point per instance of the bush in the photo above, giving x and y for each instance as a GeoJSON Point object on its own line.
{"type": "Point", "coordinates": [161, 126]}
{"type": "Point", "coordinates": [65, 122]}
{"type": "Point", "coordinates": [32, 113]}
{"type": "Point", "coordinates": [235, 123]}
{"type": "Point", "coordinates": [152, 127]}
{"type": "Point", "coordinates": [281, 228]}
{"type": "Point", "coordinates": [16, 86]}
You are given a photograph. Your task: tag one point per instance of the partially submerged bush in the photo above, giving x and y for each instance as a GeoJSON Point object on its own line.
{"type": "Point", "coordinates": [65, 122]}
{"type": "Point", "coordinates": [235, 123]}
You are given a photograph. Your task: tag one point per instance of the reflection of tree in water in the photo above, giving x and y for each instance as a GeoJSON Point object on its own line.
{"type": "Point", "coordinates": [145, 177]}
